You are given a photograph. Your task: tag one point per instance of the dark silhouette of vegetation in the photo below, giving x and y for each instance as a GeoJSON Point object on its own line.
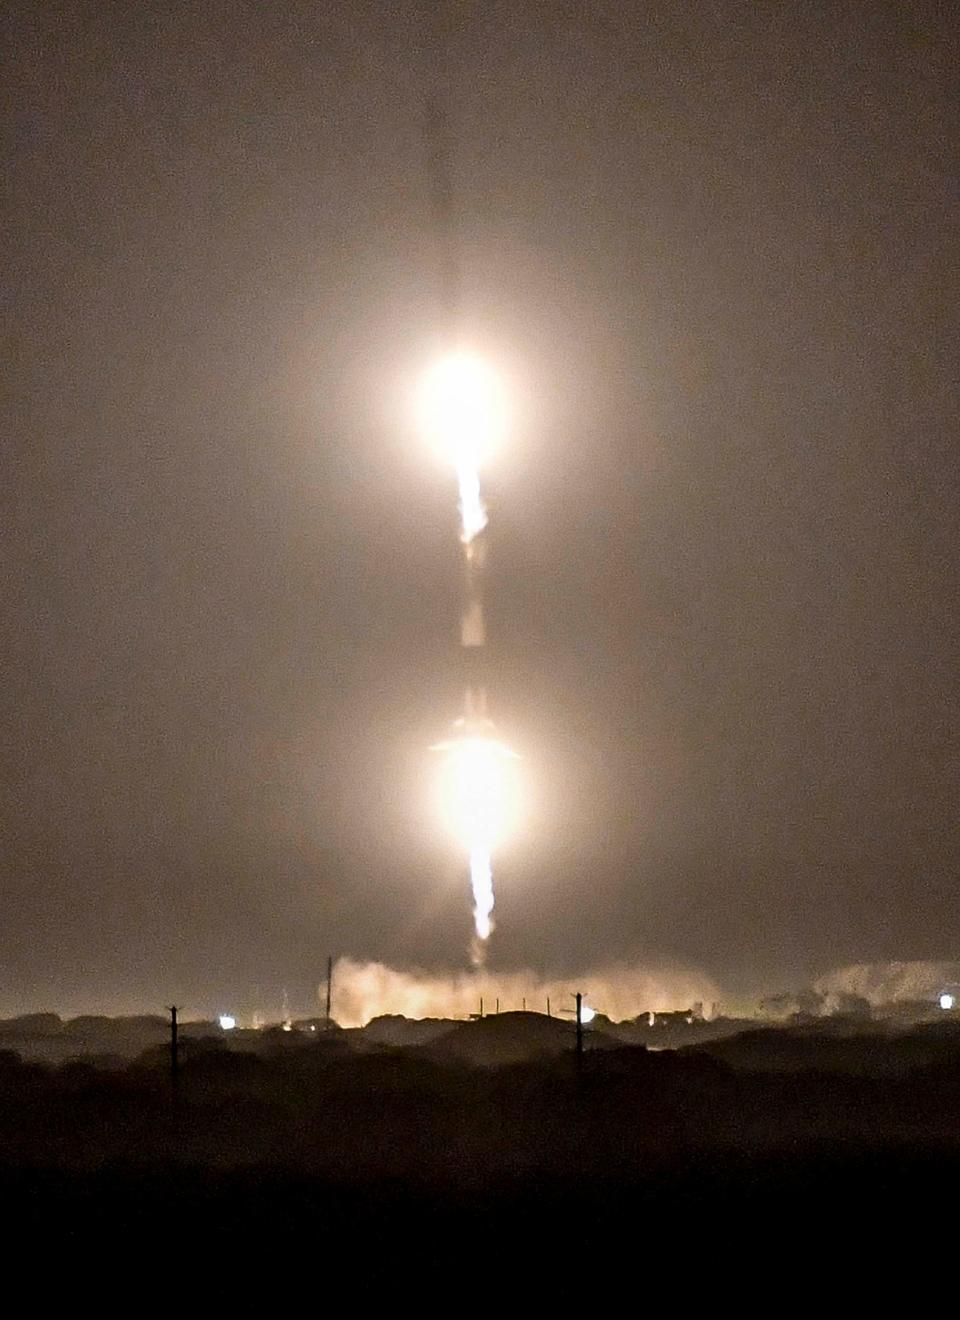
{"type": "Point", "coordinates": [398, 1150]}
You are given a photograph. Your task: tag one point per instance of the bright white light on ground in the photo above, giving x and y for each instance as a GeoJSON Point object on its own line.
{"type": "Point", "coordinates": [227, 1023]}
{"type": "Point", "coordinates": [587, 1014]}
{"type": "Point", "coordinates": [947, 1001]}
{"type": "Point", "coordinates": [462, 410]}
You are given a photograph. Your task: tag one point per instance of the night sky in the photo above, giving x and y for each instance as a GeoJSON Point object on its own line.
{"type": "Point", "coordinates": [712, 249]}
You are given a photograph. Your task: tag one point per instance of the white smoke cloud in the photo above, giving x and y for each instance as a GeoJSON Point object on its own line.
{"type": "Point", "coordinates": [894, 982]}
{"type": "Point", "coordinates": [364, 990]}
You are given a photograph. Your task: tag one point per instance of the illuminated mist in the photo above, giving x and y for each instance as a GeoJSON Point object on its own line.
{"type": "Point", "coordinates": [364, 990]}
{"type": "Point", "coordinates": [891, 982]}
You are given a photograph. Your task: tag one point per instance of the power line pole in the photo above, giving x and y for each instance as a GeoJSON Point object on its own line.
{"type": "Point", "coordinates": [174, 1052]}
{"type": "Point", "coordinates": [329, 988]}
{"type": "Point", "coordinates": [579, 1016]}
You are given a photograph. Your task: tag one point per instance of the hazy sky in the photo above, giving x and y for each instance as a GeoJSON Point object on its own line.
{"type": "Point", "coordinates": [712, 247]}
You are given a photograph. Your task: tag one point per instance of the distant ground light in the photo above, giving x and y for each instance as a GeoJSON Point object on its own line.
{"type": "Point", "coordinates": [227, 1022]}
{"type": "Point", "coordinates": [947, 1001]}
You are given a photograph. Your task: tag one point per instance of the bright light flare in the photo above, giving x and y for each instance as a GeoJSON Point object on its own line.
{"type": "Point", "coordinates": [227, 1022]}
{"type": "Point", "coordinates": [479, 805]}
{"type": "Point", "coordinates": [947, 1001]}
{"type": "Point", "coordinates": [587, 1014]}
{"type": "Point", "coordinates": [462, 409]}
{"type": "Point", "coordinates": [478, 800]}
{"type": "Point", "coordinates": [462, 414]}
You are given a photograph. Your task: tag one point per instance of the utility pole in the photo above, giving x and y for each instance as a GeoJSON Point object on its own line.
{"type": "Point", "coordinates": [579, 1012]}
{"type": "Point", "coordinates": [174, 1053]}
{"type": "Point", "coordinates": [549, 1014]}
{"type": "Point", "coordinates": [329, 987]}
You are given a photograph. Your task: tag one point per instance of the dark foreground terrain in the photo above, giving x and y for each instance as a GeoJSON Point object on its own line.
{"type": "Point", "coordinates": [781, 1148]}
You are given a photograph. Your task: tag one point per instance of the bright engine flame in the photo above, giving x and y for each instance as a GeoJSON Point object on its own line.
{"type": "Point", "coordinates": [462, 414]}
{"type": "Point", "coordinates": [478, 804]}
{"type": "Point", "coordinates": [481, 883]}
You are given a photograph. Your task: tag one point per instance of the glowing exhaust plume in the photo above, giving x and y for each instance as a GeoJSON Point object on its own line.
{"type": "Point", "coordinates": [481, 882]}
{"type": "Point", "coordinates": [463, 417]}
{"type": "Point", "coordinates": [478, 804]}
{"type": "Point", "coordinates": [473, 515]}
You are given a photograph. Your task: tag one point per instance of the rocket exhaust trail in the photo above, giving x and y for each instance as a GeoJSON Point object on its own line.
{"type": "Point", "coordinates": [481, 882]}
{"type": "Point", "coordinates": [473, 632]}
{"type": "Point", "coordinates": [473, 516]}
{"type": "Point", "coordinates": [463, 415]}
{"type": "Point", "coordinates": [477, 805]}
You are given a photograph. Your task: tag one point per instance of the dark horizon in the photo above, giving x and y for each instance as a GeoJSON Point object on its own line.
{"type": "Point", "coordinates": [712, 250]}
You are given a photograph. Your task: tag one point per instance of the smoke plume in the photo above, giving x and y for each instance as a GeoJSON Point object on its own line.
{"type": "Point", "coordinates": [364, 990]}
{"type": "Point", "coordinates": [893, 982]}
